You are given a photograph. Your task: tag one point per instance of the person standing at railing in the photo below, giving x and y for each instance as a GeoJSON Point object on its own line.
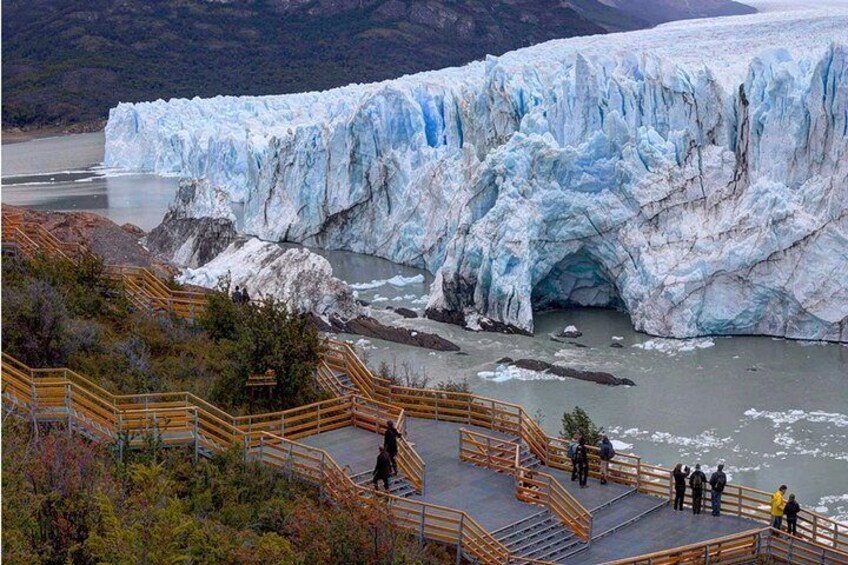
{"type": "Point", "coordinates": [680, 475]}
{"type": "Point", "coordinates": [718, 481]}
{"type": "Point", "coordinates": [237, 295]}
{"type": "Point", "coordinates": [777, 506]}
{"type": "Point", "coordinates": [382, 470]}
{"type": "Point", "coordinates": [390, 442]}
{"type": "Point", "coordinates": [696, 483]}
{"type": "Point", "coordinates": [582, 461]}
{"type": "Point", "coordinates": [572, 454]}
{"type": "Point", "coordinates": [791, 511]}
{"type": "Point", "coordinates": [245, 297]}
{"type": "Point", "coordinates": [607, 453]}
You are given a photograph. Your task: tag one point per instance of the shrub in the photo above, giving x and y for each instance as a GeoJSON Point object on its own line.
{"type": "Point", "coordinates": [579, 421]}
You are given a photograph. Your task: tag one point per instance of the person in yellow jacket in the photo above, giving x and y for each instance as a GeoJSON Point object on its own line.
{"type": "Point", "coordinates": [777, 504]}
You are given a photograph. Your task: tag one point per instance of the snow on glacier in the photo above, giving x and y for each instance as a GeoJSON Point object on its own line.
{"type": "Point", "coordinates": [695, 174]}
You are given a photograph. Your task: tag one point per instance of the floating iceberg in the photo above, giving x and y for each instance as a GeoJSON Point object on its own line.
{"type": "Point", "coordinates": [695, 174]}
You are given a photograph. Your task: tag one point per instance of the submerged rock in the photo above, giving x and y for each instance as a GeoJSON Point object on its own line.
{"type": "Point", "coordinates": [369, 327]}
{"type": "Point", "coordinates": [560, 371]}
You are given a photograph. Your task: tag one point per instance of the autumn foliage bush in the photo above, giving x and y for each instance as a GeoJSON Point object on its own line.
{"type": "Point", "coordinates": [66, 500]}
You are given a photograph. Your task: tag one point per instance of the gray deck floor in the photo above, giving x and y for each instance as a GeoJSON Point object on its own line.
{"type": "Point", "coordinates": [489, 497]}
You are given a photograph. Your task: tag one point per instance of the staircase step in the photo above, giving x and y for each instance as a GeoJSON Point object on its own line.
{"type": "Point", "coordinates": [626, 512]}
{"type": "Point", "coordinates": [564, 540]}
{"type": "Point", "coordinates": [520, 530]}
{"type": "Point", "coordinates": [533, 538]}
{"type": "Point", "coordinates": [509, 528]}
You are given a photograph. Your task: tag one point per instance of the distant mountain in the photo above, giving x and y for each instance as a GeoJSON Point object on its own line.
{"type": "Point", "coordinates": [655, 12]}
{"type": "Point", "coordinates": [66, 61]}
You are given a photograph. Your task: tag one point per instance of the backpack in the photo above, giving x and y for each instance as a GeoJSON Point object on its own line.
{"type": "Point", "coordinates": [721, 481]}
{"type": "Point", "coordinates": [572, 450]}
{"type": "Point", "coordinates": [611, 452]}
{"type": "Point", "coordinates": [697, 481]}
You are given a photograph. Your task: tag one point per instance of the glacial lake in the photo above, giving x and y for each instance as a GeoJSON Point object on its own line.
{"type": "Point", "coordinates": [775, 411]}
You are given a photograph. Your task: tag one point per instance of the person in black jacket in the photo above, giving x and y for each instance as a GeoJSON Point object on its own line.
{"type": "Point", "coordinates": [791, 511]}
{"type": "Point", "coordinates": [390, 442]}
{"type": "Point", "coordinates": [383, 469]}
{"type": "Point", "coordinates": [718, 481]}
{"type": "Point", "coordinates": [582, 459]}
{"type": "Point", "coordinates": [697, 480]}
{"type": "Point", "coordinates": [606, 454]}
{"type": "Point", "coordinates": [680, 475]}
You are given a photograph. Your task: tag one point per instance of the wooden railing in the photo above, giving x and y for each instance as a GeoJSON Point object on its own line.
{"type": "Point", "coordinates": [537, 487]}
{"type": "Point", "coordinates": [626, 469]}
{"type": "Point", "coordinates": [143, 288]}
{"type": "Point", "coordinates": [148, 291]}
{"type": "Point", "coordinates": [531, 486]}
{"type": "Point", "coordinates": [486, 451]}
{"type": "Point", "coordinates": [744, 547]}
{"type": "Point", "coordinates": [176, 419]}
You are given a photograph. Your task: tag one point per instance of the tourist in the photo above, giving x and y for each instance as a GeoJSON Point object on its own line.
{"type": "Point", "coordinates": [237, 296]}
{"type": "Point", "coordinates": [680, 474]}
{"type": "Point", "coordinates": [718, 481]}
{"type": "Point", "coordinates": [791, 511]}
{"type": "Point", "coordinates": [245, 297]}
{"type": "Point", "coordinates": [582, 460]}
{"type": "Point", "coordinates": [777, 504]}
{"type": "Point", "coordinates": [572, 454]}
{"type": "Point", "coordinates": [390, 442]}
{"type": "Point", "coordinates": [607, 453]}
{"type": "Point", "coordinates": [696, 482]}
{"type": "Point", "coordinates": [383, 469]}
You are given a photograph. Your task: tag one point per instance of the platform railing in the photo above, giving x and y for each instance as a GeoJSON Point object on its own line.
{"type": "Point", "coordinates": [627, 469]}
{"type": "Point", "coordinates": [174, 419]}
{"type": "Point", "coordinates": [531, 485]}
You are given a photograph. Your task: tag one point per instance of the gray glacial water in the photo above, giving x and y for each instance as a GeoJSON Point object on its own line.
{"type": "Point", "coordinates": [64, 173]}
{"type": "Point", "coordinates": [774, 410]}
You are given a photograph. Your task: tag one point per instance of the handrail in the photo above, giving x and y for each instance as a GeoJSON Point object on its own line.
{"type": "Point", "coordinates": [99, 413]}
{"type": "Point", "coordinates": [712, 551]}
{"type": "Point", "coordinates": [144, 289]}
{"type": "Point", "coordinates": [626, 468]}
{"type": "Point", "coordinates": [532, 486]}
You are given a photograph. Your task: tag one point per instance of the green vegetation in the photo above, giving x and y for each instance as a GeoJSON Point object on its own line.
{"type": "Point", "coordinates": [579, 421]}
{"type": "Point", "coordinates": [57, 313]}
{"type": "Point", "coordinates": [66, 500]}
{"type": "Point", "coordinates": [66, 61]}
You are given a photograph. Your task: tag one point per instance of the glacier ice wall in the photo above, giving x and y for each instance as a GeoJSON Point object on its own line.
{"type": "Point", "coordinates": [699, 181]}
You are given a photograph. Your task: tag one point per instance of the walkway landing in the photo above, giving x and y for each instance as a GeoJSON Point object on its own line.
{"type": "Point", "coordinates": [625, 523]}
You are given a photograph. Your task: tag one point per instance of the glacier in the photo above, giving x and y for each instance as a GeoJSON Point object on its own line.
{"type": "Point", "coordinates": [694, 175]}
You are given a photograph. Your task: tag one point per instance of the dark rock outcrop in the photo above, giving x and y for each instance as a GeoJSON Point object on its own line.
{"type": "Point", "coordinates": [191, 242]}
{"type": "Point", "coordinates": [369, 327]}
{"type": "Point", "coordinates": [560, 371]}
{"type": "Point", "coordinates": [405, 312]}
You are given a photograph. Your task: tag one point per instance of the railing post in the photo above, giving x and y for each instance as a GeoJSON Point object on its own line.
{"type": "Point", "coordinates": [321, 479]}
{"type": "Point", "coordinates": [246, 442]}
{"type": "Point", "coordinates": [282, 426]}
{"type": "Point", "coordinates": [196, 437]}
{"type": "Point", "coordinates": [262, 449]}
{"type": "Point", "coordinates": [489, 452]}
{"type": "Point", "coordinates": [459, 539]}
{"type": "Point", "coordinates": [69, 407]}
{"type": "Point", "coordinates": [706, 555]}
{"type": "Point", "coordinates": [421, 525]}
{"type": "Point", "coordinates": [638, 473]}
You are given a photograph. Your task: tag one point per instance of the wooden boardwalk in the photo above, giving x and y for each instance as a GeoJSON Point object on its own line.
{"type": "Point", "coordinates": [626, 523]}
{"type": "Point", "coordinates": [477, 473]}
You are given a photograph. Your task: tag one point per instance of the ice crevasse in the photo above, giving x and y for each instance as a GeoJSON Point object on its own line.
{"type": "Point", "coordinates": [695, 175]}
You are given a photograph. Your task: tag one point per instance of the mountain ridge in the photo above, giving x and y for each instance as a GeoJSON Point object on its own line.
{"type": "Point", "coordinates": [67, 64]}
